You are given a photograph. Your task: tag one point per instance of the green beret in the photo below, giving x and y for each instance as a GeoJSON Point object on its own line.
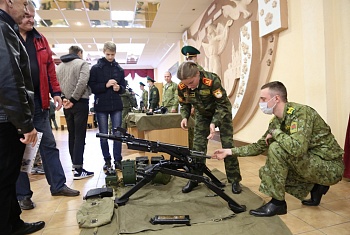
{"type": "Point", "coordinates": [189, 51]}
{"type": "Point", "coordinates": [141, 84]}
{"type": "Point", "coordinates": [150, 79]}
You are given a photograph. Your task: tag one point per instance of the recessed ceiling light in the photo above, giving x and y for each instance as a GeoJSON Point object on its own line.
{"type": "Point", "coordinates": [122, 15]}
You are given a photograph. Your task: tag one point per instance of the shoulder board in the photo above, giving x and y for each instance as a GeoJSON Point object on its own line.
{"type": "Point", "coordinates": [207, 81]}
{"type": "Point", "coordinates": [181, 86]}
{"type": "Point", "coordinates": [290, 110]}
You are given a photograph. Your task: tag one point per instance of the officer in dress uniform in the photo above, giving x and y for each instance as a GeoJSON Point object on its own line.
{"type": "Point", "coordinates": [169, 98]}
{"type": "Point", "coordinates": [153, 95]}
{"type": "Point", "coordinates": [144, 97]}
{"type": "Point", "coordinates": [302, 153]}
{"type": "Point", "coordinates": [204, 91]}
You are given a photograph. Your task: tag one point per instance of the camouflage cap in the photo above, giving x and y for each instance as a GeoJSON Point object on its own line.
{"type": "Point", "coordinates": [141, 84]}
{"type": "Point", "coordinates": [189, 51]}
{"type": "Point", "coordinates": [150, 79]}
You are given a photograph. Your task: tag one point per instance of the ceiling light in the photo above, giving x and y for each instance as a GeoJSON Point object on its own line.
{"type": "Point", "coordinates": [122, 15]}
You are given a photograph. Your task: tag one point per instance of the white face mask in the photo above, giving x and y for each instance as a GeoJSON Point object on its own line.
{"type": "Point", "coordinates": [265, 109]}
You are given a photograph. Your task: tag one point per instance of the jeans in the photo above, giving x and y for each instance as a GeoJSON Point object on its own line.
{"type": "Point", "coordinates": [11, 154]}
{"type": "Point", "coordinates": [102, 119]}
{"type": "Point", "coordinates": [49, 153]}
{"type": "Point", "coordinates": [76, 118]}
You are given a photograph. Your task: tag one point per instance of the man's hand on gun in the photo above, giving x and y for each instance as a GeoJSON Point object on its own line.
{"type": "Point", "coordinates": [221, 153]}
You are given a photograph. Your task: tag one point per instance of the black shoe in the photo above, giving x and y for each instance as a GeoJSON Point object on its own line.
{"type": "Point", "coordinates": [269, 209]}
{"type": "Point", "coordinates": [107, 165]}
{"type": "Point", "coordinates": [189, 186]}
{"type": "Point", "coordinates": [28, 228]}
{"type": "Point", "coordinates": [118, 165]}
{"type": "Point", "coordinates": [65, 191]}
{"type": "Point", "coordinates": [236, 188]}
{"type": "Point", "coordinates": [26, 204]}
{"type": "Point", "coordinates": [316, 194]}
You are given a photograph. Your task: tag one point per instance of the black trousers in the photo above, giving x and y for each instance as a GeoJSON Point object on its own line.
{"type": "Point", "coordinates": [76, 118]}
{"type": "Point", "coordinates": [11, 154]}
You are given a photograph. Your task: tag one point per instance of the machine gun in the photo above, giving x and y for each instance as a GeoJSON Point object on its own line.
{"type": "Point", "coordinates": [182, 162]}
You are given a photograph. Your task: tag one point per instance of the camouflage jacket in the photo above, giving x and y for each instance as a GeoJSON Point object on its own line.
{"type": "Point", "coordinates": [209, 98]}
{"type": "Point", "coordinates": [144, 98]}
{"type": "Point", "coordinates": [170, 99]}
{"type": "Point", "coordinates": [128, 99]}
{"type": "Point", "coordinates": [301, 130]}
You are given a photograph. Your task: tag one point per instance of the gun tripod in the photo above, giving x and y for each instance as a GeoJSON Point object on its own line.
{"type": "Point", "coordinates": [172, 167]}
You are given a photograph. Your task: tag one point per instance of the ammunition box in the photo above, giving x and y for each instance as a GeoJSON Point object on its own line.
{"type": "Point", "coordinates": [129, 173]}
{"type": "Point", "coordinates": [111, 180]}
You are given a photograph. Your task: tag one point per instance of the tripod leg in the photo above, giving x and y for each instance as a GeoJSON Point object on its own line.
{"type": "Point", "coordinates": [125, 197]}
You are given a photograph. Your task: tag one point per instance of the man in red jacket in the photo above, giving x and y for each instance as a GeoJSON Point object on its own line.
{"type": "Point", "coordinates": [44, 82]}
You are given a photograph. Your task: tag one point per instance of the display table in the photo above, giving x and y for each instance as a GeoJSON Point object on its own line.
{"type": "Point", "coordinates": [158, 127]}
{"type": "Point", "coordinates": [90, 121]}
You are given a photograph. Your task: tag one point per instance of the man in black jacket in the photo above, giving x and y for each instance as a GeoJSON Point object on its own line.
{"type": "Point", "coordinates": [16, 116]}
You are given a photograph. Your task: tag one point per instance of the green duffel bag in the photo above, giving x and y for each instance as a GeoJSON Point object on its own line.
{"type": "Point", "coordinates": [95, 212]}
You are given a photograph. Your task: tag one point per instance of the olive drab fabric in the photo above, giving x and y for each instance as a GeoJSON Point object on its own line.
{"type": "Point", "coordinates": [144, 98]}
{"type": "Point", "coordinates": [302, 152]}
{"type": "Point", "coordinates": [95, 212]}
{"type": "Point", "coordinates": [170, 98]}
{"type": "Point", "coordinates": [129, 102]}
{"type": "Point", "coordinates": [211, 106]}
{"type": "Point", "coordinates": [153, 97]}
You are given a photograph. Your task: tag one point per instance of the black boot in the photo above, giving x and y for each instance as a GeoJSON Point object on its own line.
{"type": "Point", "coordinates": [236, 188]}
{"type": "Point", "coordinates": [189, 186]}
{"type": "Point", "coordinates": [316, 194]}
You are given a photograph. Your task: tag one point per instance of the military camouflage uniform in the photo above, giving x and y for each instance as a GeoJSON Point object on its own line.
{"type": "Point", "coordinates": [153, 97]}
{"type": "Point", "coordinates": [170, 98]}
{"type": "Point", "coordinates": [129, 101]}
{"type": "Point", "coordinates": [211, 106]}
{"type": "Point", "coordinates": [144, 98]}
{"type": "Point", "coordinates": [302, 152]}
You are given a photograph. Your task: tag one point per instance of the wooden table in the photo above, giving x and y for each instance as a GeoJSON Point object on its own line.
{"type": "Point", "coordinates": [90, 121]}
{"type": "Point", "coordinates": [158, 127]}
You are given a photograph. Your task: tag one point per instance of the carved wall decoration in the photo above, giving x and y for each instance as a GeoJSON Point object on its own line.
{"type": "Point", "coordinates": [271, 15]}
{"type": "Point", "coordinates": [231, 45]}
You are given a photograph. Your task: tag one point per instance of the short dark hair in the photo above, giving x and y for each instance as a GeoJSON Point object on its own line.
{"type": "Point", "coordinates": [75, 50]}
{"type": "Point", "coordinates": [277, 88]}
{"type": "Point", "coordinates": [187, 70]}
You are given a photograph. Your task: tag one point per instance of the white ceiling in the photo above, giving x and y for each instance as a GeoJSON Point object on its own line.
{"type": "Point", "coordinates": [172, 18]}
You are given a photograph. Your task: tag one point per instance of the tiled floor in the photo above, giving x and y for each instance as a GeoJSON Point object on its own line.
{"type": "Point", "coordinates": [332, 217]}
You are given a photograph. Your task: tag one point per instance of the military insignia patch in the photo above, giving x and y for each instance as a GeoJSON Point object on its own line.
{"type": "Point", "coordinates": [181, 86]}
{"type": "Point", "coordinates": [290, 110]}
{"type": "Point", "coordinates": [192, 94]}
{"type": "Point", "coordinates": [204, 92]}
{"type": "Point", "coordinates": [207, 81]}
{"type": "Point", "coordinates": [293, 127]}
{"type": "Point", "coordinates": [218, 93]}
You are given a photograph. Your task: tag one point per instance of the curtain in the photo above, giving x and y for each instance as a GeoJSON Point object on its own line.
{"type": "Point", "coordinates": [141, 72]}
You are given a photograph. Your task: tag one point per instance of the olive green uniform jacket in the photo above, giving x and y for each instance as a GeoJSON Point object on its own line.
{"type": "Point", "coordinates": [212, 106]}
{"type": "Point", "coordinates": [302, 152]}
{"type": "Point", "coordinates": [153, 97]}
{"type": "Point", "coordinates": [170, 98]}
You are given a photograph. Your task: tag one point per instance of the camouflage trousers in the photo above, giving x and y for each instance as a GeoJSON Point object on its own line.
{"type": "Point", "coordinates": [296, 175]}
{"type": "Point", "coordinates": [200, 142]}
{"type": "Point", "coordinates": [124, 114]}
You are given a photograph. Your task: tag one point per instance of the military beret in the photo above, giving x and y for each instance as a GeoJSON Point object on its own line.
{"type": "Point", "coordinates": [150, 79]}
{"type": "Point", "coordinates": [141, 84]}
{"type": "Point", "coordinates": [189, 51]}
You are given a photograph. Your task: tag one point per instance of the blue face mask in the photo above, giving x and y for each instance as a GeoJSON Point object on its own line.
{"type": "Point", "coordinates": [265, 109]}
